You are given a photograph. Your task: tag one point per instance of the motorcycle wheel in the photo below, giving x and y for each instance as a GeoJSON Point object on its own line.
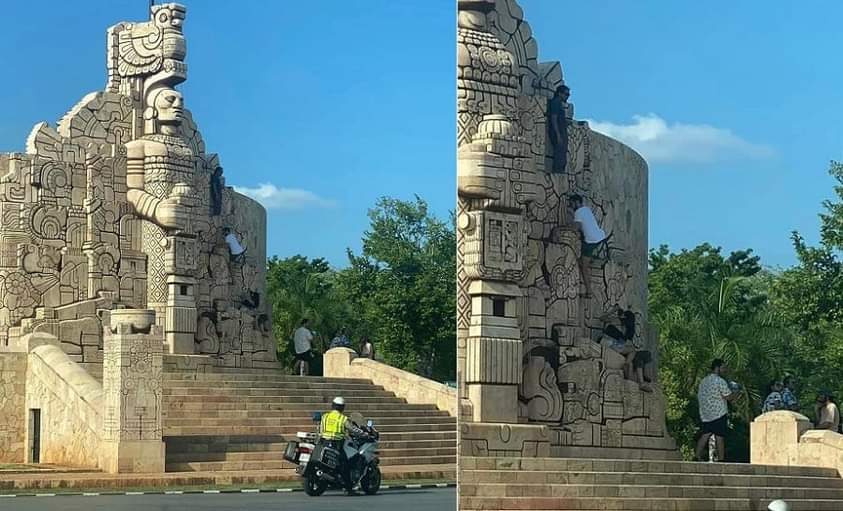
{"type": "Point", "coordinates": [314, 486]}
{"type": "Point", "coordinates": [371, 483]}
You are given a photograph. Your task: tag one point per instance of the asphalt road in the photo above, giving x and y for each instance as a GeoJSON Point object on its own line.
{"type": "Point", "coordinates": [443, 499]}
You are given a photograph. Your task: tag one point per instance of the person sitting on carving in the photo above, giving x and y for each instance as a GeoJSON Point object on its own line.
{"type": "Point", "coordinates": [593, 237]}
{"type": "Point", "coordinates": [621, 341]}
{"type": "Point", "coordinates": [340, 340]}
{"type": "Point", "coordinates": [238, 252]}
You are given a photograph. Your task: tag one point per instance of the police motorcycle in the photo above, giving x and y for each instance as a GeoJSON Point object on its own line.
{"type": "Point", "coordinates": [319, 463]}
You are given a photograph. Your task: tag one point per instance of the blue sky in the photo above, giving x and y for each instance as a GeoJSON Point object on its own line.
{"type": "Point", "coordinates": [333, 104]}
{"type": "Point", "coordinates": [739, 108]}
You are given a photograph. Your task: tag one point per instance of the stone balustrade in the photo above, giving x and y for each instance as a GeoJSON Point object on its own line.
{"type": "Point", "coordinates": [786, 438]}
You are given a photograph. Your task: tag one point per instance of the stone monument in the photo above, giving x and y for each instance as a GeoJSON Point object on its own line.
{"type": "Point", "coordinates": [535, 378]}
{"type": "Point", "coordinates": [120, 207]}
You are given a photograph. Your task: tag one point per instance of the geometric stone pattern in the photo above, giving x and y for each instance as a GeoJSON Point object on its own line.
{"type": "Point", "coordinates": [132, 394]}
{"type": "Point", "coordinates": [518, 248]}
{"type": "Point", "coordinates": [12, 407]}
{"type": "Point", "coordinates": [120, 206]}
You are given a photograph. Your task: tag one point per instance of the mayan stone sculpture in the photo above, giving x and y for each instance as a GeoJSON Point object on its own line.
{"type": "Point", "coordinates": [537, 376]}
{"type": "Point", "coordinates": [120, 207]}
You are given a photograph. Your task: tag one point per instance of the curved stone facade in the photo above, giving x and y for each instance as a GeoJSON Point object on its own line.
{"type": "Point", "coordinates": [531, 306]}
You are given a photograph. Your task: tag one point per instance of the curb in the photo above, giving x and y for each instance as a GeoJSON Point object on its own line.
{"type": "Point", "coordinates": [213, 492]}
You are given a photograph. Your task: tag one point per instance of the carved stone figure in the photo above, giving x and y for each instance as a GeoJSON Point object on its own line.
{"type": "Point", "coordinates": [120, 206]}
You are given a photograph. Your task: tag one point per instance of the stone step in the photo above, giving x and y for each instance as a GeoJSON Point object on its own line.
{"type": "Point", "coordinates": [277, 454]}
{"type": "Point", "coordinates": [289, 421]}
{"type": "Point", "coordinates": [214, 466]}
{"type": "Point", "coordinates": [184, 402]}
{"type": "Point", "coordinates": [607, 465]}
{"type": "Point", "coordinates": [636, 504]}
{"type": "Point", "coordinates": [322, 394]}
{"type": "Point", "coordinates": [236, 376]}
{"type": "Point", "coordinates": [291, 430]}
{"type": "Point", "coordinates": [196, 451]}
{"type": "Point", "coordinates": [543, 478]}
{"type": "Point", "coordinates": [275, 397]}
{"type": "Point", "coordinates": [240, 384]}
{"type": "Point", "coordinates": [790, 490]}
{"type": "Point", "coordinates": [238, 442]}
{"type": "Point", "coordinates": [281, 412]}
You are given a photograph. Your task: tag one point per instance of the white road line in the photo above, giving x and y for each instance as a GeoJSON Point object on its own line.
{"type": "Point", "coordinates": [90, 494]}
{"type": "Point", "coordinates": [412, 486]}
{"type": "Point", "coordinates": [134, 493]}
{"type": "Point", "coordinates": [441, 485]}
{"type": "Point", "coordinates": [210, 491]}
{"type": "Point", "coordinates": [175, 492]}
{"type": "Point", "coordinates": [45, 494]}
{"type": "Point", "coordinates": [250, 490]}
{"type": "Point", "coordinates": [284, 490]}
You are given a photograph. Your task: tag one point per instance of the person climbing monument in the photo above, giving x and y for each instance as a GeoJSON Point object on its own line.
{"type": "Point", "coordinates": [637, 367]}
{"type": "Point", "coordinates": [593, 237]}
{"type": "Point", "coordinates": [235, 248]}
{"type": "Point", "coordinates": [558, 127]}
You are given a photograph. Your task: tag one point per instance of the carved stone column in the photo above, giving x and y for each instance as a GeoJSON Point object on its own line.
{"type": "Point", "coordinates": [132, 389]}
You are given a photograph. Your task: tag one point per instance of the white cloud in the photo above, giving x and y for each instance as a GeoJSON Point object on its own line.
{"type": "Point", "coordinates": [273, 197]}
{"type": "Point", "coordinates": [660, 142]}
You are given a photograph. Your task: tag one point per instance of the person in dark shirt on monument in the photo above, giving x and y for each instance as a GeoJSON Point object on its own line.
{"type": "Point", "coordinates": [621, 341]}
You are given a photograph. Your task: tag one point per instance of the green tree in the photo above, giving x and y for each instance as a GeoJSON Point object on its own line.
{"type": "Point", "coordinates": [810, 297]}
{"type": "Point", "coordinates": [708, 306]}
{"type": "Point", "coordinates": [402, 287]}
{"type": "Point", "coordinates": [301, 288]}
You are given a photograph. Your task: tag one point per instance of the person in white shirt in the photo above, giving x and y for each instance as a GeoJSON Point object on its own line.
{"type": "Point", "coordinates": [713, 395]}
{"type": "Point", "coordinates": [593, 237]}
{"type": "Point", "coordinates": [302, 339]}
{"type": "Point", "coordinates": [828, 416]}
{"type": "Point", "coordinates": [367, 349]}
{"type": "Point", "coordinates": [235, 248]}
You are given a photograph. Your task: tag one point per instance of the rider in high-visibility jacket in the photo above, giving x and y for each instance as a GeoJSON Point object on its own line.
{"type": "Point", "coordinates": [334, 429]}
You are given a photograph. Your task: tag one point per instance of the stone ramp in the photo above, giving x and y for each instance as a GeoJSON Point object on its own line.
{"type": "Point", "coordinates": [242, 420]}
{"type": "Point", "coordinates": [563, 484]}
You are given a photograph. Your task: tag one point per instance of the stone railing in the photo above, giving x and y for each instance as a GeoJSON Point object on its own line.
{"type": "Point", "coordinates": [70, 402]}
{"type": "Point", "coordinates": [786, 438]}
{"type": "Point", "coordinates": [344, 363]}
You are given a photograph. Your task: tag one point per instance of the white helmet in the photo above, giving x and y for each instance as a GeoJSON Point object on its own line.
{"type": "Point", "coordinates": [778, 505]}
{"type": "Point", "coordinates": [338, 401]}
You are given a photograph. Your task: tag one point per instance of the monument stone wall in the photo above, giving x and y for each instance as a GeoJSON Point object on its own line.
{"type": "Point", "coordinates": [120, 206]}
{"type": "Point", "coordinates": [533, 374]}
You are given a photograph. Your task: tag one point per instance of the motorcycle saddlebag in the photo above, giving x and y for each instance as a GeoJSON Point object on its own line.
{"type": "Point", "coordinates": [325, 455]}
{"type": "Point", "coordinates": [291, 452]}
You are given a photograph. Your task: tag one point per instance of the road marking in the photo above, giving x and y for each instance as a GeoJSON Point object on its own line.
{"type": "Point", "coordinates": [284, 490]}
{"type": "Point", "coordinates": [210, 491]}
{"type": "Point", "coordinates": [134, 493]}
{"type": "Point", "coordinates": [175, 492]}
{"type": "Point", "coordinates": [250, 490]}
{"type": "Point", "coordinates": [7, 496]}
{"type": "Point", "coordinates": [45, 494]}
{"type": "Point", "coordinates": [441, 485]}
{"type": "Point", "coordinates": [85, 494]}
{"type": "Point", "coordinates": [414, 486]}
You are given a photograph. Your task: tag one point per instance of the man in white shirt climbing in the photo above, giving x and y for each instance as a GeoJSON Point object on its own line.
{"type": "Point", "coordinates": [235, 248]}
{"type": "Point", "coordinates": [593, 237]}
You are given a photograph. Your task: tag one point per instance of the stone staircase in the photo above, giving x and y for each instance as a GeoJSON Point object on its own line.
{"type": "Point", "coordinates": [562, 484]}
{"type": "Point", "coordinates": [242, 420]}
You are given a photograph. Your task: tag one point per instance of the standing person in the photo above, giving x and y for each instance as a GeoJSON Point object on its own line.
{"type": "Point", "coordinates": [367, 349]}
{"type": "Point", "coordinates": [714, 394]}
{"type": "Point", "coordinates": [789, 394]}
{"type": "Point", "coordinates": [558, 127]}
{"type": "Point", "coordinates": [593, 237]}
{"type": "Point", "coordinates": [828, 416]}
{"type": "Point", "coordinates": [774, 400]}
{"type": "Point", "coordinates": [302, 339]}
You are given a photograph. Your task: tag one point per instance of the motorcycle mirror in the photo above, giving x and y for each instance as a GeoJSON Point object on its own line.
{"type": "Point", "coordinates": [317, 416]}
{"type": "Point", "coordinates": [370, 423]}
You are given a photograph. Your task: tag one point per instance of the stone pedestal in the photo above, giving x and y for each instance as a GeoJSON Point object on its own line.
{"type": "Point", "coordinates": [774, 437]}
{"type": "Point", "coordinates": [132, 389]}
{"type": "Point", "coordinates": [504, 440]}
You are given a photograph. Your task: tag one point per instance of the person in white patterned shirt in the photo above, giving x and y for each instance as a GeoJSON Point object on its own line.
{"type": "Point", "coordinates": [713, 395]}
